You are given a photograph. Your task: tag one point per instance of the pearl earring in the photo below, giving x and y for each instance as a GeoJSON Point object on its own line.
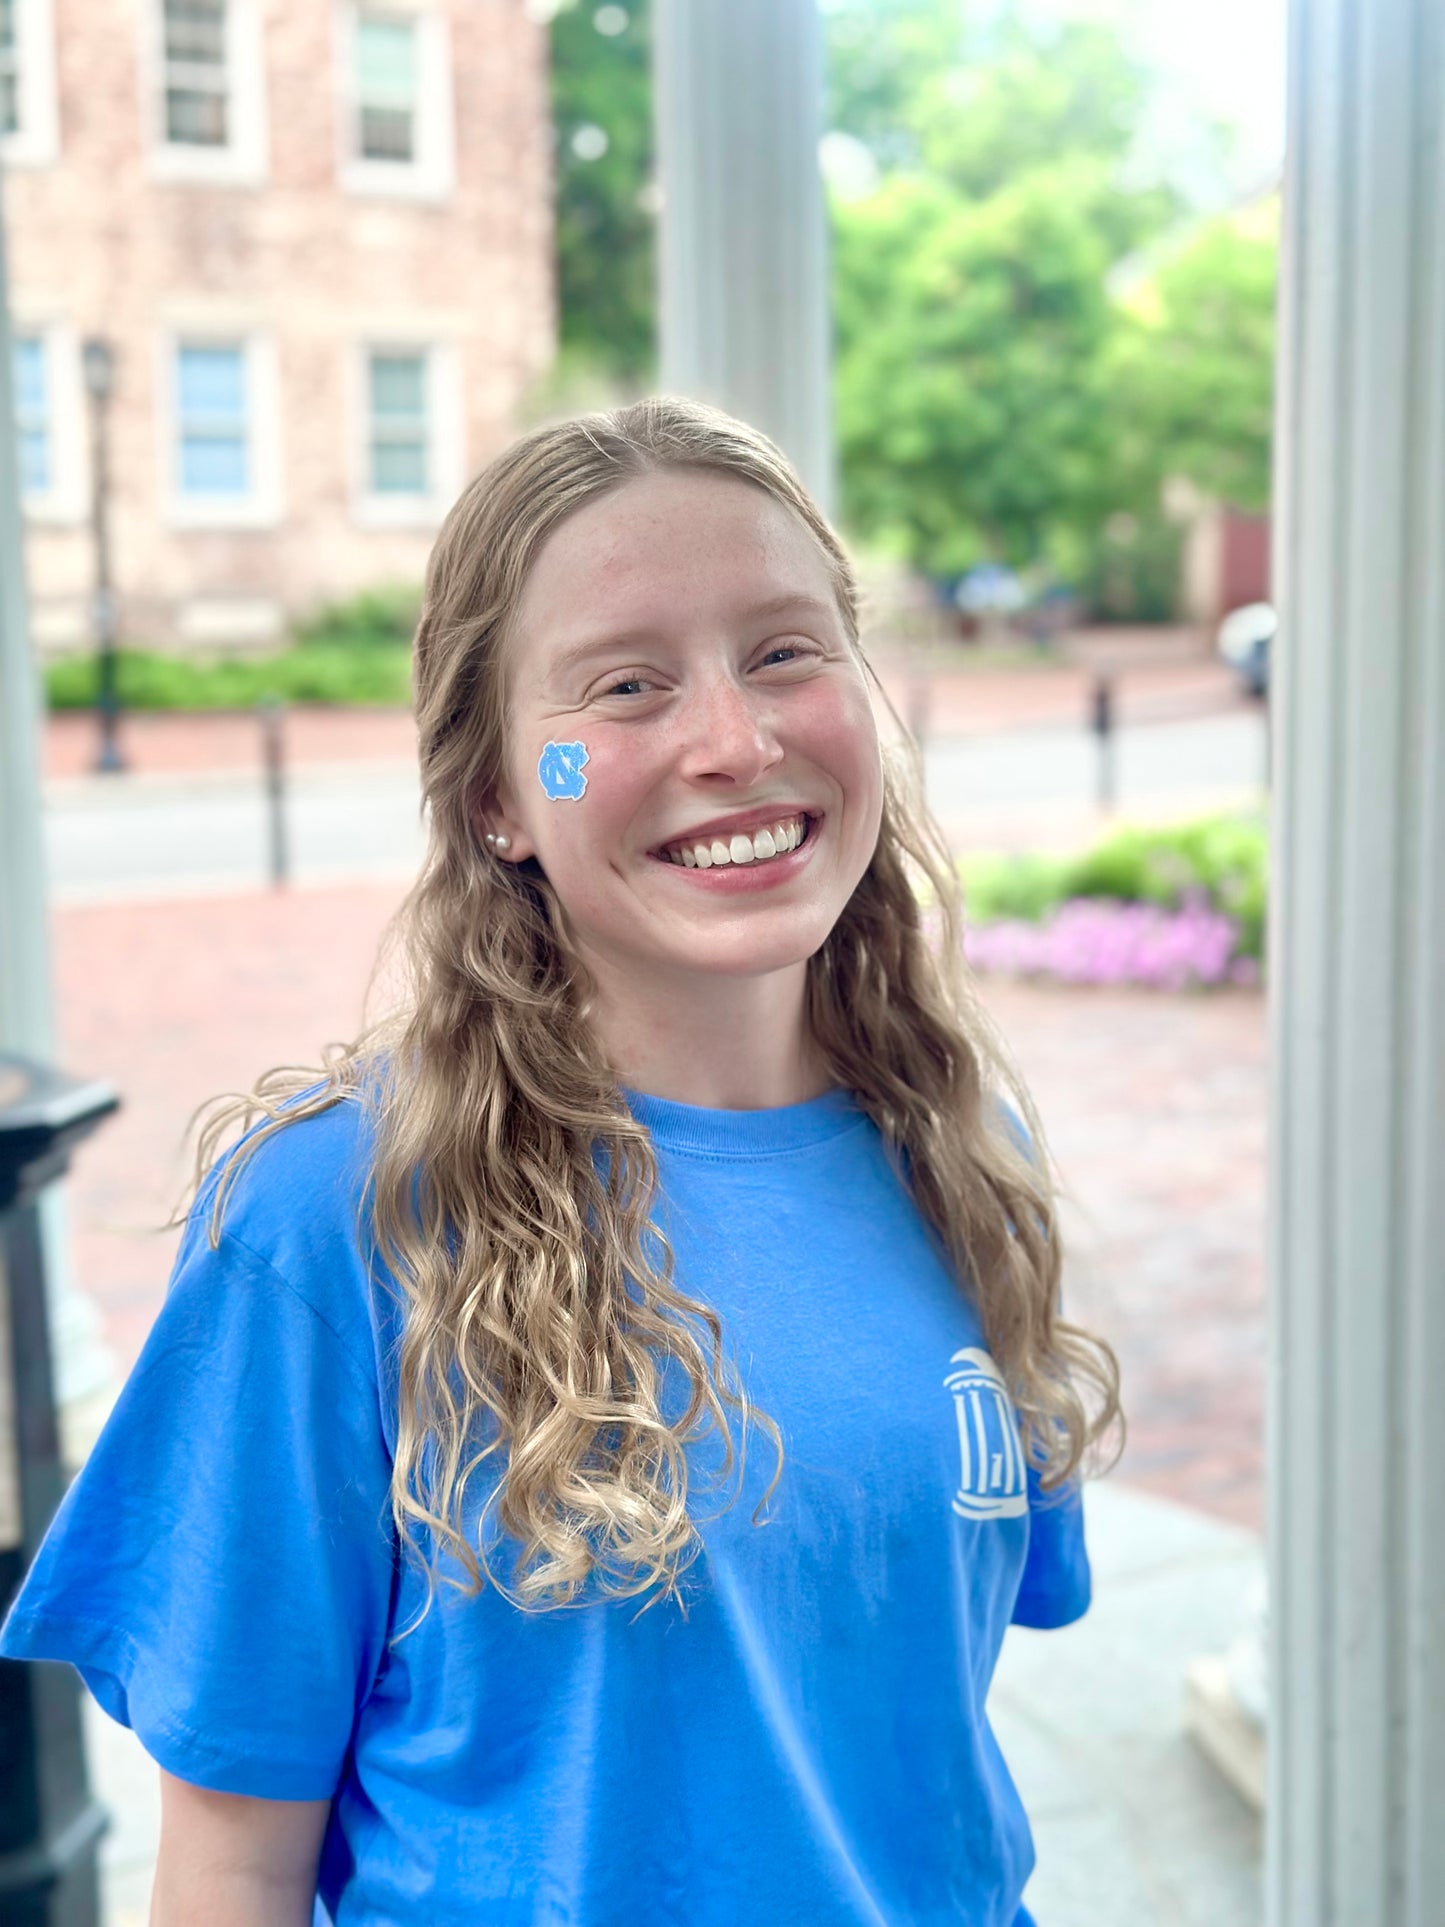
{"type": "Point", "coordinates": [497, 843]}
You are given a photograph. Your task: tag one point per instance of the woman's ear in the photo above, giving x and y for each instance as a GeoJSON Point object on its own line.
{"type": "Point", "coordinates": [500, 831]}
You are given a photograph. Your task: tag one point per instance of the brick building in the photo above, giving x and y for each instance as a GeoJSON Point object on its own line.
{"type": "Point", "coordinates": [317, 235]}
{"type": "Point", "coordinates": [1226, 562]}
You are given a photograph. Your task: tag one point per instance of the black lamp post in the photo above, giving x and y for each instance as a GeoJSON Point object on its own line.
{"type": "Point", "coordinates": [99, 361]}
{"type": "Point", "coordinates": [49, 1824]}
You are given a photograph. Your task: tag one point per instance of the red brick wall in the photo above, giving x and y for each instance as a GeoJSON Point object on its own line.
{"type": "Point", "coordinates": [97, 241]}
{"type": "Point", "coordinates": [1244, 563]}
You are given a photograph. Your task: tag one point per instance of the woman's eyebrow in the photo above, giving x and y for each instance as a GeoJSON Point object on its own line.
{"type": "Point", "coordinates": [582, 653]}
{"type": "Point", "coordinates": [622, 640]}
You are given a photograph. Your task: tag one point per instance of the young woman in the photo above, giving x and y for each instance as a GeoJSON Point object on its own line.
{"type": "Point", "coordinates": [600, 1428]}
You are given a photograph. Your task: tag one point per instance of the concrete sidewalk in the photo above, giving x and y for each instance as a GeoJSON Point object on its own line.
{"type": "Point", "coordinates": [1130, 1823]}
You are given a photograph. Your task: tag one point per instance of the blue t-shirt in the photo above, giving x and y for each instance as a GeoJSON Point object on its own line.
{"type": "Point", "coordinates": [805, 1745]}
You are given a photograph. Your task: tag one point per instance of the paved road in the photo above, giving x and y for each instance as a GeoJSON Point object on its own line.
{"type": "Point", "coordinates": [1152, 763]}
{"type": "Point", "coordinates": [174, 833]}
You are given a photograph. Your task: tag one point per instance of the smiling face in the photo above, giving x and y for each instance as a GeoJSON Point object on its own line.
{"type": "Point", "coordinates": [684, 630]}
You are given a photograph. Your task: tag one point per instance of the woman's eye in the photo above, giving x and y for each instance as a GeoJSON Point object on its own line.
{"type": "Point", "coordinates": [627, 685]}
{"type": "Point", "coordinates": [791, 649]}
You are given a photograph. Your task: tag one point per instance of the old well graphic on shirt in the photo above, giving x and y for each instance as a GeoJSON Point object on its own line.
{"type": "Point", "coordinates": [992, 1479]}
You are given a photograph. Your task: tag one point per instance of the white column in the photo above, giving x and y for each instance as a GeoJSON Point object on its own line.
{"type": "Point", "coordinates": [1356, 1807]}
{"type": "Point", "coordinates": [24, 962]}
{"type": "Point", "coordinates": [743, 241]}
{"type": "Point", "coordinates": [80, 1361]}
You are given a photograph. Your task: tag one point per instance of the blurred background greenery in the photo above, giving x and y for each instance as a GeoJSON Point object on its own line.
{"type": "Point", "coordinates": [1041, 314]}
{"type": "Point", "coordinates": [1053, 327]}
{"type": "Point", "coordinates": [1221, 861]}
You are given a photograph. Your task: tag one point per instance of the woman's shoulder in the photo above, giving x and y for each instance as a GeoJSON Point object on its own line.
{"type": "Point", "coordinates": [292, 1196]}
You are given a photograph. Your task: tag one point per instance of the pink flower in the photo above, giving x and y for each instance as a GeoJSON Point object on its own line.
{"type": "Point", "coordinates": [1095, 940]}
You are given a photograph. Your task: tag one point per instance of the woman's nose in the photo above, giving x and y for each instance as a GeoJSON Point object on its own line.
{"type": "Point", "coordinates": [729, 732]}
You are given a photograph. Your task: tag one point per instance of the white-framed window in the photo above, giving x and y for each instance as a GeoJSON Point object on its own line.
{"type": "Point", "coordinates": [213, 421]}
{"type": "Point", "coordinates": [49, 420]}
{"type": "Point", "coordinates": [397, 423]}
{"type": "Point", "coordinates": [197, 83]}
{"type": "Point", "coordinates": [386, 87]}
{"type": "Point", "coordinates": [409, 445]}
{"type": "Point", "coordinates": [34, 423]}
{"type": "Point", "coordinates": [9, 67]}
{"type": "Point", "coordinates": [207, 93]}
{"type": "Point", "coordinates": [29, 123]}
{"type": "Point", "coordinates": [222, 421]}
{"type": "Point", "coordinates": [395, 115]}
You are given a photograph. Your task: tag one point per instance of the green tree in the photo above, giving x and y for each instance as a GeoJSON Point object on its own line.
{"type": "Point", "coordinates": [1027, 97]}
{"type": "Point", "coordinates": [969, 416]}
{"type": "Point", "coordinates": [602, 122]}
{"type": "Point", "coordinates": [879, 56]}
{"type": "Point", "coordinates": [972, 314]}
{"type": "Point", "coordinates": [991, 398]}
{"type": "Point", "coordinates": [1190, 370]}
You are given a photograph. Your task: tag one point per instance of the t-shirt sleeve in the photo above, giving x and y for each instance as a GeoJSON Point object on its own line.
{"type": "Point", "coordinates": [220, 1570]}
{"type": "Point", "coordinates": [1056, 1585]}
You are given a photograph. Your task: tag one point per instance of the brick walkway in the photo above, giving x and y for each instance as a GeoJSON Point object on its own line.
{"type": "Point", "coordinates": [159, 741]}
{"type": "Point", "coordinates": [1155, 1108]}
{"type": "Point", "coordinates": [174, 1002]}
{"type": "Point", "coordinates": [1154, 1105]}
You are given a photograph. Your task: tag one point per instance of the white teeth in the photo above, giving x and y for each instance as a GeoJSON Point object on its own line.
{"type": "Point", "coordinates": [775, 840]}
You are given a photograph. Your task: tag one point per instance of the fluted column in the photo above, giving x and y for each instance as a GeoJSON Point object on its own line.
{"type": "Point", "coordinates": [743, 243]}
{"type": "Point", "coordinates": [82, 1365]}
{"type": "Point", "coordinates": [24, 965]}
{"type": "Point", "coordinates": [1356, 1806]}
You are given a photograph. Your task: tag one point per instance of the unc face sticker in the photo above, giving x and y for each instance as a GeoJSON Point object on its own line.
{"type": "Point", "coordinates": [559, 769]}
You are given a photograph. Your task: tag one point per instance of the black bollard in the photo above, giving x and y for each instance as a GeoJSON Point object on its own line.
{"type": "Point", "coordinates": [50, 1826]}
{"type": "Point", "coordinates": [273, 713]}
{"type": "Point", "coordinates": [1103, 727]}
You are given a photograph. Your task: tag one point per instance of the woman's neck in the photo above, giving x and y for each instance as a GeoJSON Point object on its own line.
{"type": "Point", "coordinates": [727, 1043]}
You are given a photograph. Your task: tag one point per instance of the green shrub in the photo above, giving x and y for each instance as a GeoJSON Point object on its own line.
{"type": "Point", "coordinates": [1025, 887]}
{"type": "Point", "coordinates": [344, 675]}
{"type": "Point", "coordinates": [1224, 858]}
{"type": "Point", "coordinates": [374, 619]}
{"type": "Point", "coordinates": [1131, 570]}
{"type": "Point", "coordinates": [348, 653]}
